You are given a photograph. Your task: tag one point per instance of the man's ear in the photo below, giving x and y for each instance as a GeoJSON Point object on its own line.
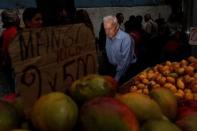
{"type": "Point", "coordinates": [117, 27]}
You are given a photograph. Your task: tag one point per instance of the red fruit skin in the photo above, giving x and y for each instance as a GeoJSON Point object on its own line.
{"type": "Point", "coordinates": [188, 123]}
{"type": "Point", "coordinates": [185, 111]}
{"type": "Point", "coordinates": [113, 82]}
{"type": "Point", "coordinates": [187, 115]}
{"type": "Point", "coordinates": [186, 107]}
{"type": "Point", "coordinates": [10, 97]}
{"type": "Point", "coordinates": [107, 114]}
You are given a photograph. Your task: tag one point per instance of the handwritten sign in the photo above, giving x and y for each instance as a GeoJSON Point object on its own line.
{"type": "Point", "coordinates": [50, 59]}
{"type": "Point", "coordinates": [193, 36]}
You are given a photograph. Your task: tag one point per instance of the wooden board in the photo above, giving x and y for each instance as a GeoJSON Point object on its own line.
{"type": "Point", "coordinates": [50, 59]}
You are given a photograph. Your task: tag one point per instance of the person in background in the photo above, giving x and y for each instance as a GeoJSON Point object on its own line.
{"type": "Point", "coordinates": [102, 56]}
{"type": "Point", "coordinates": [119, 49]}
{"type": "Point", "coordinates": [82, 16]}
{"type": "Point", "coordinates": [139, 19]}
{"type": "Point", "coordinates": [11, 27]}
{"type": "Point", "coordinates": [11, 22]}
{"type": "Point", "coordinates": [57, 12]}
{"type": "Point", "coordinates": [133, 28]}
{"type": "Point", "coordinates": [150, 26]}
{"type": "Point", "coordinates": [32, 18]}
{"type": "Point", "coordinates": [62, 16]}
{"type": "Point", "coordinates": [129, 23]}
{"type": "Point", "coordinates": [120, 18]}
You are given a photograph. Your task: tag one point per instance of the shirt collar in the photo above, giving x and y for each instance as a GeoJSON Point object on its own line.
{"type": "Point", "coordinates": [118, 35]}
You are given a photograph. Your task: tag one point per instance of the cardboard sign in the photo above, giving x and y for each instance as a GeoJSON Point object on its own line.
{"type": "Point", "coordinates": [50, 59]}
{"type": "Point", "coordinates": [193, 36]}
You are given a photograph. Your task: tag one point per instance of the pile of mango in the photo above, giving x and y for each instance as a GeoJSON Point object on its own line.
{"type": "Point", "coordinates": [179, 77]}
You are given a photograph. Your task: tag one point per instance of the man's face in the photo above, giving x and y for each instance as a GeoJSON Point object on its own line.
{"type": "Point", "coordinates": [110, 29]}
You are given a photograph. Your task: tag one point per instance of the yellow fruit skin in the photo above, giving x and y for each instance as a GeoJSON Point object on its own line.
{"type": "Point", "coordinates": [159, 125]}
{"type": "Point", "coordinates": [166, 100]}
{"type": "Point", "coordinates": [180, 84]}
{"type": "Point", "coordinates": [189, 96]}
{"type": "Point", "coordinates": [170, 80]}
{"type": "Point", "coordinates": [55, 112]}
{"type": "Point", "coordinates": [143, 106]}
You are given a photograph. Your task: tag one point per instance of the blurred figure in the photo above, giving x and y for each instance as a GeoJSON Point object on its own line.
{"type": "Point", "coordinates": [150, 26]}
{"type": "Point", "coordinates": [133, 28]}
{"type": "Point", "coordinates": [32, 18]}
{"type": "Point", "coordinates": [57, 12]}
{"type": "Point", "coordinates": [160, 21]}
{"type": "Point", "coordinates": [62, 16]}
{"type": "Point", "coordinates": [82, 16]}
{"type": "Point", "coordinates": [139, 20]}
{"type": "Point", "coordinates": [120, 18]}
{"type": "Point", "coordinates": [130, 23]}
{"type": "Point", "coordinates": [102, 38]}
{"type": "Point", "coordinates": [11, 24]}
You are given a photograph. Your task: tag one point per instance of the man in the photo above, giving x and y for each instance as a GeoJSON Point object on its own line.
{"type": "Point", "coordinates": [120, 50]}
{"type": "Point", "coordinates": [11, 27]}
{"type": "Point", "coordinates": [150, 26]}
{"type": "Point", "coordinates": [120, 18]}
{"type": "Point", "coordinates": [11, 22]}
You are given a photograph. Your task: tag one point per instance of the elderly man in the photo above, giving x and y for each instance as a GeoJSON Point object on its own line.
{"type": "Point", "coordinates": [120, 50]}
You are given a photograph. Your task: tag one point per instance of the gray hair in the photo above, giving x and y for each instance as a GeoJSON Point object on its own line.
{"type": "Point", "coordinates": [111, 18]}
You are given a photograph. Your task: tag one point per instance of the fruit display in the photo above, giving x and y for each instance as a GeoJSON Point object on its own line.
{"type": "Point", "coordinates": [179, 77]}
{"type": "Point", "coordinates": [93, 103]}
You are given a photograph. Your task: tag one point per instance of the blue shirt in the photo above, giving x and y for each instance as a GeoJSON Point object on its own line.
{"type": "Point", "coordinates": [120, 52]}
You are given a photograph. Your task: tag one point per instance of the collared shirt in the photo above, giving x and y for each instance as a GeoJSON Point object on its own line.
{"type": "Point", "coordinates": [120, 52]}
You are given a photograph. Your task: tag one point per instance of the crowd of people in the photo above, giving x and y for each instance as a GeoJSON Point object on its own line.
{"type": "Point", "coordinates": [126, 48]}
